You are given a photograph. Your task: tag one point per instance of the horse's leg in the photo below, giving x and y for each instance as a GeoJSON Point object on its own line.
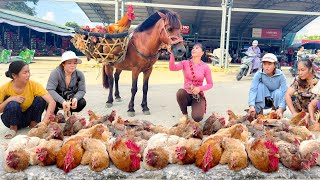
{"type": "Point", "coordinates": [144, 103]}
{"type": "Point", "coordinates": [116, 80]}
{"type": "Point", "coordinates": [134, 88]}
{"type": "Point", "coordinates": [109, 72]}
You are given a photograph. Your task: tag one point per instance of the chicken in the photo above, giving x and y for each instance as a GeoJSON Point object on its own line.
{"type": "Point", "coordinates": [209, 153]}
{"type": "Point", "coordinates": [67, 130]}
{"type": "Point", "coordinates": [302, 132]}
{"type": "Point", "coordinates": [155, 159]}
{"type": "Point", "coordinates": [310, 151]}
{"type": "Point", "coordinates": [78, 125]}
{"type": "Point", "coordinates": [123, 24]}
{"type": "Point", "coordinates": [125, 154]}
{"type": "Point", "coordinates": [95, 154]}
{"type": "Point", "coordinates": [16, 160]}
{"type": "Point", "coordinates": [184, 128]}
{"type": "Point", "coordinates": [290, 156]}
{"type": "Point", "coordinates": [70, 154]}
{"type": "Point", "coordinates": [234, 154]}
{"type": "Point", "coordinates": [237, 131]}
{"type": "Point", "coordinates": [232, 115]}
{"type": "Point", "coordinates": [93, 116]}
{"type": "Point", "coordinates": [60, 118]}
{"type": "Point", "coordinates": [45, 153]}
{"type": "Point", "coordinates": [263, 154]}
{"type": "Point", "coordinates": [296, 119]}
{"type": "Point", "coordinates": [273, 115]}
{"type": "Point", "coordinates": [40, 129]}
{"type": "Point", "coordinates": [53, 131]}
{"type": "Point", "coordinates": [17, 156]}
{"type": "Point", "coordinates": [288, 137]}
{"type": "Point", "coordinates": [141, 137]}
{"type": "Point", "coordinates": [186, 150]}
{"type": "Point", "coordinates": [138, 124]}
{"type": "Point", "coordinates": [277, 124]}
{"type": "Point", "coordinates": [164, 148]}
{"type": "Point", "coordinates": [313, 126]}
{"type": "Point", "coordinates": [98, 131]}
{"type": "Point", "coordinates": [213, 124]}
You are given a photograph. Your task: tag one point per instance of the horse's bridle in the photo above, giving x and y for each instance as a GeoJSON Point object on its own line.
{"type": "Point", "coordinates": [163, 29]}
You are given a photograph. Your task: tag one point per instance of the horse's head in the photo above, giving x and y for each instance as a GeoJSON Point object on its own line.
{"type": "Point", "coordinates": [170, 32]}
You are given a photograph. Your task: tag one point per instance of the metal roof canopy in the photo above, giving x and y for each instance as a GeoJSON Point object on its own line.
{"type": "Point", "coordinates": [306, 13]}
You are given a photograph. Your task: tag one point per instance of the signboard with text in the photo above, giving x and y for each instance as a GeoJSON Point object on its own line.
{"type": "Point", "coordinates": [186, 29]}
{"type": "Point", "coordinates": [267, 33]}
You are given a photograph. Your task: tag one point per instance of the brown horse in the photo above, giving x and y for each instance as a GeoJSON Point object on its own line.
{"type": "Point", "coordinates": [163, 27]}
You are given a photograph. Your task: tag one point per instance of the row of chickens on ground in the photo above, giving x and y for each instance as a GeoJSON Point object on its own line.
{"type": "Point", "coordinates": [265, 141]}
{"type": "Point", "coordinates": [91, 44]}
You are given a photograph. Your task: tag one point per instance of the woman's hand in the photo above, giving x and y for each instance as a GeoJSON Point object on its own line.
{"type": "Point", "coordinates": [279, 112]}
{"type": "Point", "coordinates": [18, 99]}
{"type": "Point", "coordinates": [195, 90]}
{"type": "Point", "coordinates": [74, 103]}
{"type": "Point", "coordinates": [66, 105]}
{"type": "Point", "coordinates": [252, 111]}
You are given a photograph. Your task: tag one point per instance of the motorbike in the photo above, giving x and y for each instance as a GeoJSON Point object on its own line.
{"type": "Point", "coordinates": [246, 65]}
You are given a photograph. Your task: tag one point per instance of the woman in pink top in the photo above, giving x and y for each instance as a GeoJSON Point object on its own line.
{"type": "Point", "coordinates": [194, 71]}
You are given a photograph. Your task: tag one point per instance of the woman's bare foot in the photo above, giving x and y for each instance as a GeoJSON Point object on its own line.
{"type": "Point", "coordinates": [11, 132]}
{"type": "Point", "coordinates": [33, 124]}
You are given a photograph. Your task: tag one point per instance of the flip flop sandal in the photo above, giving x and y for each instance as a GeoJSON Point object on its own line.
{"type": "Point", "coordinates": [10, 134]}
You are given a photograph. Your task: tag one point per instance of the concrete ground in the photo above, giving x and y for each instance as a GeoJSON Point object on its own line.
{"type": "Point", "coordinates": [227, 93]}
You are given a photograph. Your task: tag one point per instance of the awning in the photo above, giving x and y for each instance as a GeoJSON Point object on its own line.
{"type": "Point", "coordinates": [18, 19]}
{"type": "Point", "coordinates": [35, 28]}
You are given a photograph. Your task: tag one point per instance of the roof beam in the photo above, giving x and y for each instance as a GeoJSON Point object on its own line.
{"type": "Point", "coordinates": [265, 4]}
{"type": "Point", "coordinates": [199, 15]}
{"type": "Point", "coordinates": [150, 10]}
{"type": "Point", "coordinates": [300, 21]}
{"type": "Point", "coordinates": [100, 12]}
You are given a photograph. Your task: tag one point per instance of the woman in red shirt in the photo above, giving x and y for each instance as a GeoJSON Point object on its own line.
{"type": "Point", "coordinates": [194, 71]}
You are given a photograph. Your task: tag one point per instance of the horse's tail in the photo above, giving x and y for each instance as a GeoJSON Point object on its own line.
{"type": "Point", "coordinates": [105, 79]}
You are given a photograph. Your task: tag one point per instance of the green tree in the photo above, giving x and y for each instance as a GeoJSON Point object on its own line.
{"type": "Point", "coordinates": [72, 24]}
{"type": "Point", "coordinates": [23, 7]}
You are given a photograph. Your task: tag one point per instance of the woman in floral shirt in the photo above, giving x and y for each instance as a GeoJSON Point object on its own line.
{"type": "Point", "coordinates": [299, 94]}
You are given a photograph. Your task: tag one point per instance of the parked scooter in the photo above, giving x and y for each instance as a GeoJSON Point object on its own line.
{"type": "Point", "coordinates": [246, 65]}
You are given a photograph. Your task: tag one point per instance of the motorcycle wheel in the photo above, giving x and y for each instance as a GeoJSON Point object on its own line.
{"type": "Point", "coordinates": [240, 75]}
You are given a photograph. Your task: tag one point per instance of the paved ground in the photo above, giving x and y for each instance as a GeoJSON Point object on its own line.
{"type": "Point", "coordinates": [227, 93]}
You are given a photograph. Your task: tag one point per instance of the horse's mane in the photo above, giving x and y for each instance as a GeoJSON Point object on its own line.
{"type": "Point", "coordinates": [172, 18]}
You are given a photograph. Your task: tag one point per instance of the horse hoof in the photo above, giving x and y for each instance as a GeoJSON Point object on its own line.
{"type": "Point", "coordinates": [146, 112]}
{"type": "Point", "coordinates": [118, 99]}
{"type": "Point", "coordinates": [131, 114]}
{"type": "Point", "coordinates": [108, 105]}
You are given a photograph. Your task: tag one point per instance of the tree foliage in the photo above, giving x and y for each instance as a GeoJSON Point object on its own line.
{"type": "Point", "coordinates": [23, 7]}
{"type": "Point", "coordinates": [72, 24]}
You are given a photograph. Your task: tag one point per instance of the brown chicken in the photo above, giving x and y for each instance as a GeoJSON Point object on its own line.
{"type": "Point", "coordinates": [78, 125]}
{"type": "Point", "coordinates": [53, 131]}
{"type": "Point", "coordinates": [155, 159]}
{"type": "Point", "coordinates": [67, 130]}
{"type": "Point", "coordinates": [16, 160]}
{"type": "Point", "coordinates": [99, 131]}
{"type": "Point", "coordinates": [184, 128]}
{"type": "Point", "coordinates": [40, 129]}
{"type": "Point", "coordinates": [17, 155]}
{"type": "Point", "coordinates": [95, 154]}
{"type": "Point", "coordinates": [296, 119]}
{"type": "Point", "coordinates": [263, 154]}
{"type": "Point", "coordinates": [123, 24]}
{"type": "Point", "coordinates": [237, 131]}
{"type": "Point", "coordinates": [125, 154]}
{"type": "Point", "coordinates": [70, 155]}
{"type": "Point", "coordinates": [186, 150]}
{"type": "Point", "coordinates": [290, 156]}
{"type": "Point", "coordinates": [45, 153]}
{"type": "Point", "coordinates": [302, 132]}
{"type": "Point", "coordinates": [313, 125]}
{"type": "Point", "coordinates": [310, 151]}
{"type": "Point", "coordinates": [213, 124]}
{"type": "Point", "coordinates": [209, 153]}
{"type": "Point", "coordinates": [232, 115]}
{"type": "Point", "coordinates": [234, 154]}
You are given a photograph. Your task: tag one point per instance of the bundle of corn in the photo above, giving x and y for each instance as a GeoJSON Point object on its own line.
{"type": "Point", "coordinates": [102, 47]}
